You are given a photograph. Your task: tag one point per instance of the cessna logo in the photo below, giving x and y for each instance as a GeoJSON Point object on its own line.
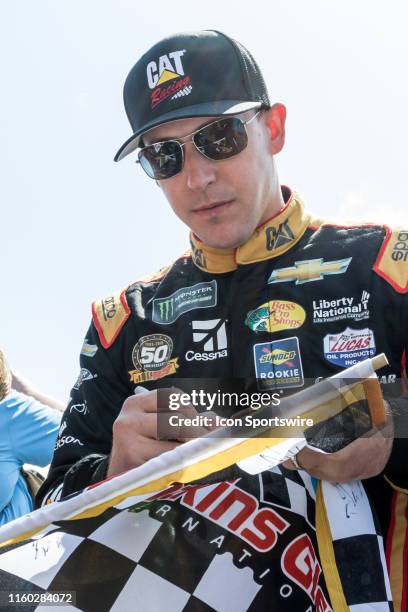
{"type": "Point", "coordinates": [309, 270]}
{"type": "Point", "coordinates": [211, 333]}
{"type": "Point", "coordinates": [278, 236]}
{"type": "Point", "coordinates": [168, 67]}
{"type": "Point", "coordinates": [211, 336]}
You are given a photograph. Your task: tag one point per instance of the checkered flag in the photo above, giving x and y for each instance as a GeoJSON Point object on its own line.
{"type": "Point", "coordinates": [112, 545]}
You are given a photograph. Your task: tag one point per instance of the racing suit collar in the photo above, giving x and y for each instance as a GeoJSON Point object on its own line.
{"type": "Point", "coordinates": [271, 239]}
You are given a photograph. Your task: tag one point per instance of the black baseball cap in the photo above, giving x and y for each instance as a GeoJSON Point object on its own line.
{"type": "Point", "coordinates": [190, 74]}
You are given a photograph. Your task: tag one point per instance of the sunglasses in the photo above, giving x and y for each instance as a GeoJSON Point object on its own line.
{"type": "Point", "coordinates": [218, 140]}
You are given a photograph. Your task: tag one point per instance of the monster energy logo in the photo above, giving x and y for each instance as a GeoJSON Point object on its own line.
{"type": "Point", "coordinates": [168, 309]}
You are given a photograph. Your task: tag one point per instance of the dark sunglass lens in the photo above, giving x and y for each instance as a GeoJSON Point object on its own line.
{"type": "Point", "coordinates": [162, 160]}
{"type": "Point", "coordinates": [222, 139]}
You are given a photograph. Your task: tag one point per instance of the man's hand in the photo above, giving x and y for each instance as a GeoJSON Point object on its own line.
{"type": "Point", "coordinates": [135, 432]}
{"type": "Point", "coordinates": [363, 458]}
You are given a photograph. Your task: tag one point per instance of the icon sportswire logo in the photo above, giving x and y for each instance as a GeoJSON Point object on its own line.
{"type": "Point", "coordinates": [211, 336]}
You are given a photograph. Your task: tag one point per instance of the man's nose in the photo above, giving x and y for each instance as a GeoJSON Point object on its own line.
{"type": "Point", "coordinates": [199, 170]}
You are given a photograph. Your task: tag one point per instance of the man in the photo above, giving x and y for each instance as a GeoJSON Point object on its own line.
{"type": "Point", "coordinates": [265, 292]}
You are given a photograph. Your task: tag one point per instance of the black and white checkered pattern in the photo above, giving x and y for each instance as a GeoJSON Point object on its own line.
{"type": "Point", "coordinates": [289, 489]}
{"type": "Point", "coordinates": [354, 529]}
{"type": "Point", "coordinates": [129, 557]}
{"type": "Point", "coordinates": [125, 569]}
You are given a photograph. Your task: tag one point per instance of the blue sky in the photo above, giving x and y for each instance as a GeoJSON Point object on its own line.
{"type": "Point", "coordinates": [76, 226]}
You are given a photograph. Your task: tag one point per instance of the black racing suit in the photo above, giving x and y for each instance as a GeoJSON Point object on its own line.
{"type": "Point", "coordinates": [325, 295]}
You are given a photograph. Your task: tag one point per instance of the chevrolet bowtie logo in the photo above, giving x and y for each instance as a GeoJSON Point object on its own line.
{"type": "Point", "coordinates": [308, 271]}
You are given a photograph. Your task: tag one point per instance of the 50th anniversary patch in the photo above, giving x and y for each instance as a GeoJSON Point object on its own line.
{"type": "Point", "coordinates": [168, 309]}
{"type": "Point", "coordinates": [151, 358]}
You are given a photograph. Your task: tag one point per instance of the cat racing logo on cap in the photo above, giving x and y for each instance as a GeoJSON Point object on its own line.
{"type": "Point", "coordinates": [169, 67]}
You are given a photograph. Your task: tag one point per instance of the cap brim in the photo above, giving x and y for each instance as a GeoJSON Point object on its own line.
{"type": "Point", "coordinates": [208, 109]}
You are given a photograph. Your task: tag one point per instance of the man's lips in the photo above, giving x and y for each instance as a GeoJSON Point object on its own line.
{"type": "Point", "coordinates": [215, 208]}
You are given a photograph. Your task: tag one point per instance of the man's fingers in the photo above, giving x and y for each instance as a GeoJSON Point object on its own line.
{"type": "Point", "coordinates": [156, 401]}
{"type": "Point", "coordinates": [149, 415]}
{"type": "Point", "coordinates": [147, 425]}
{"type": "Point", "coordinates": [142, 402]}
{"type": "Point", "coordinates": [170, 425]}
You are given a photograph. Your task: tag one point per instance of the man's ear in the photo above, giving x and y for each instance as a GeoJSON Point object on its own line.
{"type": "Point", "coordinates": [275, 119]}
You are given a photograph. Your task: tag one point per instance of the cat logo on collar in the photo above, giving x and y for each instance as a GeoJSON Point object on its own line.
{"type": "Point", "coordinates": [278, 236]}
{"type": "Point", "coordinates": [309, 270]}
{"type": "Point", "coordinates": [198, 256]}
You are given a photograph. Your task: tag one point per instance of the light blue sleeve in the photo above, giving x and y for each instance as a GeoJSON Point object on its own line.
{"type": "Point", "coordinates": [33, 429]}
{"type": "Point", "coordinates": [9, 476]}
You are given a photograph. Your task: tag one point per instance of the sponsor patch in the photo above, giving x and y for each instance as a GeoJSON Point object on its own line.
{"type": "Point", "coordinates": [309, 270]}
{"type": "Point", "coordinates": [81, 408]}
{"type": "Point", "coordinates": [89, 350]}
{"type": "Point", "coordinates": [275, 315]}
{"type": "Point", "coordinates": [166, 78]}
{"type": "Point", "coordinates": [400, 247]}
{"type": "Point", "coordinates": [392, 260]}
{"type": "Point", "coordinates": [349, 347]}
{"type": "Point", "coordinates": [151, 358]}
{"type": "Point", "coordinates": [84, 374]}
{"type": "Point", "coordinates": [109, 316]}
{"type": "Point", "coordinates": [388, 379]}
{"type": "Point", "coordinates": [62, 428]}
{"type": "Point", "coordinates": [278, 364]}
{"type": "Point", "coordinates": [326, 311]}
{"type": "Point", "coordinates": [168, 309]}
{"type": "Point", "coordinates": [211, 341]}
{"type": "Point", "coordinates": [67, 440]}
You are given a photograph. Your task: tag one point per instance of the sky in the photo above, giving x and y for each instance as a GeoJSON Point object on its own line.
{"type": "Point", "coordinates": [75, 225]}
